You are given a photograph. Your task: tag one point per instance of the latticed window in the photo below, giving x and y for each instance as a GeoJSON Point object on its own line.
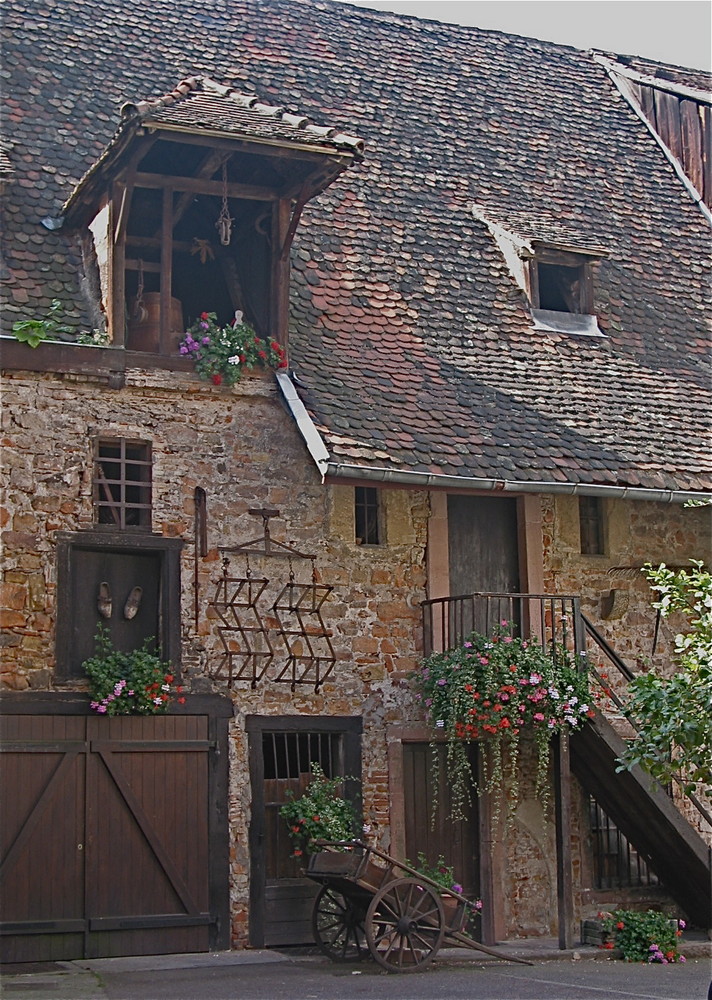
{"type": "Point", "coordinates": [122, 483]}
{"type": "Point", "coordinates": [367, 519]}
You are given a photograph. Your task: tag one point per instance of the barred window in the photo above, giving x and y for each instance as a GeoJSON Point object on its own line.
{"type": "Point", "coordinates": [122, 483]}
{"type": "Point", "coordinates": [591, 526]}
{"type": "Point", "coordinates": [367, 515]}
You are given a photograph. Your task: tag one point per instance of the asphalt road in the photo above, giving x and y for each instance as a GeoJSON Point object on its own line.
{"type": "Point", "coordinates": [271, 976]}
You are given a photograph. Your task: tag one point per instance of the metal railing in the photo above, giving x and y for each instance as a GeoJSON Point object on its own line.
{"type": "Point", "coordinates": [555, 621]}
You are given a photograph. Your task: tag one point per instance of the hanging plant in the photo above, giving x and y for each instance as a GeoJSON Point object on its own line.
{"type": "Point", "coordinates": [222, 353]}
{"type": "Point", "coordinates": [494, 690]}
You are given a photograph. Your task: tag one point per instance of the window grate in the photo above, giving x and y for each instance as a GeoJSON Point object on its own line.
{"type": "Point", "coordinates": [122, 484]}
{"type": "Point", "coordinates": [616, 863]}
{"type": "Point", "coordinates": [290, 755]}
{"type": "Point", "coordinates": [366, 510]}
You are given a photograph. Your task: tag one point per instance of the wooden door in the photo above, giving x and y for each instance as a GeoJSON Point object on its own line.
{"type": "Point", "coordinates": [483, 549]}
{"type": "Point", "coordinates": [281, 896]}
{"type": "Point", "coordinates": [428, 827]}
{"type": "Point", "coordinates": [104, 836]}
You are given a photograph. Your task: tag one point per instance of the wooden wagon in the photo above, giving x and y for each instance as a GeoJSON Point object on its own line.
{"type": "Point", "coordinates": [371, 903]}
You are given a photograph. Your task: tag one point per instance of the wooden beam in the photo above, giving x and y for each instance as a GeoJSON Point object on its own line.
{"type": "Point", "coordinates": [116, 319]}
{"type": "Point", "coordinates": [199, 185]}
{"type": "Point", "coordinates": [279, 299]}
{"type": "Point", "coordinates": [564, 877]}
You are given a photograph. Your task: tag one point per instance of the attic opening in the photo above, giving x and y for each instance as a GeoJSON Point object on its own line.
{"type": "Point", "coordinates": [561, 291]}
{"type": "Point", "coordinates": [192, 208]}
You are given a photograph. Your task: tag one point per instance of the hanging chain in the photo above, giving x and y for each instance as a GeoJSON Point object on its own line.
{"type": "Point", "coordinates": [224, 220]}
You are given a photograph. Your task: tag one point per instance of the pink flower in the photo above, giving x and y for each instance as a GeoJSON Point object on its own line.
{"type": "Point", "coordinates": [539, 716]}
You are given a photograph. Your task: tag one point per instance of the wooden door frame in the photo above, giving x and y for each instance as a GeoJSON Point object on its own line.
{"type": "Point", "coordinates": [350, 727]}
{"type": "Point", "coordinates": [489, 861]}
{"type": "Point", "coordinates": [220, 711]}
{"type": "Point", "coordinates": [529, 540]}
{"type": "Point", "coordinates": [168, 551]}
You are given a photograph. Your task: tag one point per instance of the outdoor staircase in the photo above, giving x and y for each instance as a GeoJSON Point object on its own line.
{"type": "Point", "coordinates": [641, 809]}
{"type": "Point", "coordinates": [647, 816]}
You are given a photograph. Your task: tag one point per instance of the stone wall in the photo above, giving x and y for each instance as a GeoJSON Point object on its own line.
{"type": "Point", "coordinates": [243, 449]}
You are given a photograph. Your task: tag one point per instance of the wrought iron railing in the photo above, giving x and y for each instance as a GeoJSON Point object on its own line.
{"type": "Point", "coordinates": [556, 621]}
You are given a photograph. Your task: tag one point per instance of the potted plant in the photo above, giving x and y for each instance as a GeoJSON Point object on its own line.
{"type": "Point", "coordinates": [495, 689]}
{"type": "Point", "coordinates": [322, 814]}
{"type": "Point", "coordinates": [443, 875]}
{"type": "Point", "coordinates": [134, 683]}
{"type": "Point", "coordinates": [223, 353]}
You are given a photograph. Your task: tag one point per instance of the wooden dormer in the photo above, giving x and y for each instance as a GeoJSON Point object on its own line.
{"type": "Point", "coordinates": [193, 206]}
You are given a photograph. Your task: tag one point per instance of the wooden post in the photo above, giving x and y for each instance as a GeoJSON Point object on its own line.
{"type": "Point", "coordinates": [487, 893]}
{"type": "Point", "coordinates": [166, 271]}
{"type": "Point", "coordinates": [279, 292]}
{"type": "Point", "coordinates": [116, 318]}
{"type": "Point", "coordinates": [564, 881]}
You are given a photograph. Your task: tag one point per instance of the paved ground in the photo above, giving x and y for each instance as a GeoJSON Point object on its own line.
{"type": "Point", "coordinates": [584, 974]}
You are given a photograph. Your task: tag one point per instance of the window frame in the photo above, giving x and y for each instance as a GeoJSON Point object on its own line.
{"type": "Point", "coordinates": [120, 507]}
{"type": "Point", "coordinates": [368, 513]}
{"type": "Point", "coordinates": [592, 526]}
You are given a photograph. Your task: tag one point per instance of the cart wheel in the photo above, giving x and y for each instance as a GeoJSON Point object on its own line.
{"type": "Point", "coordinates": [338, 926]}
{"type": "Point", "coordinates": [405, 925]}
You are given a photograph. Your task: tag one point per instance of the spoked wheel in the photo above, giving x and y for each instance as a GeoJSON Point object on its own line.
{"type": "Point", "coordinates": [405, 925]}
{"type": "Point", "coordinates": [338, 925]}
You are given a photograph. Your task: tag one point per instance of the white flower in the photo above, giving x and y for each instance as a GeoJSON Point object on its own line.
{"type": "Point", "coordinates": [440, 724]}
{"type": "Point", "coordinates": [366, 827]}
{"type": "Point", "coordinates": [165, 687]}
{"type": "Point", "coordinates": [234, 360]}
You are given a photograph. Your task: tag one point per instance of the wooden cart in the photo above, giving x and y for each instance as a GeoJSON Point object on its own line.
{"type": "Point", "coordinates": [373, 904]}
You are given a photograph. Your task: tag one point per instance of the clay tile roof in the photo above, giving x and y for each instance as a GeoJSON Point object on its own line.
{"type": "Point", "coordinates": [201, 104]}
{"type": "Point", "coordinates": [413, 338]}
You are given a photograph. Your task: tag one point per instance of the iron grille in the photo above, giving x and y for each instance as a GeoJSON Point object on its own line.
{"type": "Point", "coordinates": [616, 863]}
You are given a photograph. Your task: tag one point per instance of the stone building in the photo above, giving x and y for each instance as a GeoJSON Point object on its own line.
{"type": "Point", "coordinates": [484, 257]}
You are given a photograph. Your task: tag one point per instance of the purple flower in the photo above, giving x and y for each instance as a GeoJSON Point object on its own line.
{"type": "Point", "coordinates": [456, 887]}
{"type": "Point", "coordinates": [183, 349]}
{"type": "Point", "coordinates": [681, 958]}
{"type": "Point", "coordinates": [467, 645]}
{"type": "Point", "coordinates": [442, 682]}
{"type": "Point", "coordinates": [205, 341]}
{"type": "Point", "coordinates": [681, 924]}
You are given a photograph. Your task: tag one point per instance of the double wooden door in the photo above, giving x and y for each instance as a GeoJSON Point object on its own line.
{"type": "Point", "coordinates": [104, 836]}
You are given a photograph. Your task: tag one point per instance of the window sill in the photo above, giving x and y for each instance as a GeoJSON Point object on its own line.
{"type": "Point", "coordinates": [576, 324]}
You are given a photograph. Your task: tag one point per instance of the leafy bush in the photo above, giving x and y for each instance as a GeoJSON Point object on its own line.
{"type": "Point", "coordinates": [644, 937]}
{"type": "Point", "coordinates": [135, 683]}
{"type": "Point", "coordinates": [673, 715]}
{"type": "Point", "coordinates": [321, 813]}
{"type": "Point", "coordinates": [34, 331]}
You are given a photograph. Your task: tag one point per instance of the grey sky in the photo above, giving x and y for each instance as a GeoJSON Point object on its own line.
{"type": "Point", "coordinates": [674, 31]}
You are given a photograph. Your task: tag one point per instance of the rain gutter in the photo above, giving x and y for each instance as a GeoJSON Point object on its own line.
{"type": "Point", "coordinates": [427, 480]}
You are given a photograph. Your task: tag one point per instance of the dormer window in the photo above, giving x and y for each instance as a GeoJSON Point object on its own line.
{"type": "Point", "coordinates": [192, 208]}
{"type": "Point", "coordinates": [561, 292]}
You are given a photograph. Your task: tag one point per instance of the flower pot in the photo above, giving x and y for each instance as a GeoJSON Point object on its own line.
{"type": "Point", "coordinates": [454, 911]}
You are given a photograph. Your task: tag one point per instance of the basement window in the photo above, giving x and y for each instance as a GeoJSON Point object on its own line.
{"type": "Point", "coordinates": [122, 483]}
{"type": "Point", "coordinates": [367, 515]}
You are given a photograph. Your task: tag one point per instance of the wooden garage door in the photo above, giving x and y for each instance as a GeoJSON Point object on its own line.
{"type": "Point", "coordinates": [104, 836]}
